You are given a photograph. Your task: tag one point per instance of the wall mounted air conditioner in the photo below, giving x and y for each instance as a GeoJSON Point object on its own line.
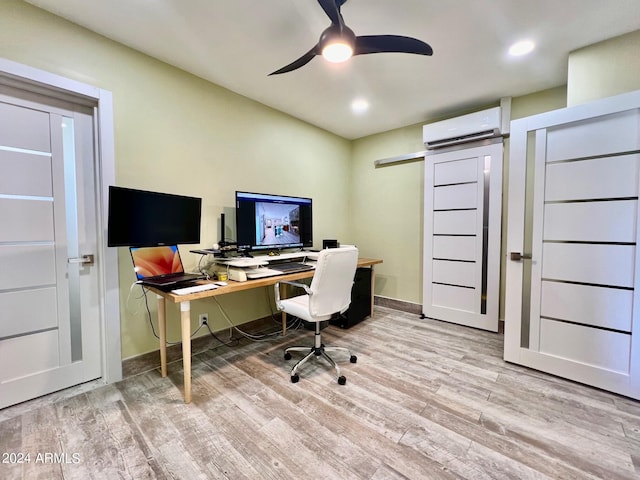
{"type": "Point", "coordinates": [467, 128]}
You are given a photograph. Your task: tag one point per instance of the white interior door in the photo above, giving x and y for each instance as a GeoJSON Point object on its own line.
{"type": "Point", "coordinates": [462, 211]}
{"type": "Point", "coordinates": [572, 288]}
{"type": "Point", "coordinates": [49, 301]}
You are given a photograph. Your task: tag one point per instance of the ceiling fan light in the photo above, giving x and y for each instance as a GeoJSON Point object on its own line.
{"type": "Point", "coordinates": [337, 52]}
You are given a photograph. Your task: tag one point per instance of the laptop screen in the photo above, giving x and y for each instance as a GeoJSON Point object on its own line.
{"type": "Point", "coordinates": [156, 261]}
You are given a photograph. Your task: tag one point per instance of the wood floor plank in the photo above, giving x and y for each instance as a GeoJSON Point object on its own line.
{"type": "Point", "coordinates": [10, 443]}
{"type": "Point", "coordinates": [39, 438]}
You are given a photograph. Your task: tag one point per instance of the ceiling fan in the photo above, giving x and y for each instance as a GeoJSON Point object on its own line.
{"type": "Point", "coordinates": [338, 42]}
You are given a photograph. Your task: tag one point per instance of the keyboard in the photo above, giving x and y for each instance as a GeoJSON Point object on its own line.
{"type": "Point", "coordinates": [290, 267]}
{"type": "Point", "coordinates": [194, 289]}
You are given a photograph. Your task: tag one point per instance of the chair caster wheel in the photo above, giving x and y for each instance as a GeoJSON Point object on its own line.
{"type": "Point", "coordinates": [287, 356]}
{"type": "Point", "coordinates": [353, 359]}
{"type": "Point", "coordinates": [295, 378]}
{"type": "Point", "coordinates": [342, 380]}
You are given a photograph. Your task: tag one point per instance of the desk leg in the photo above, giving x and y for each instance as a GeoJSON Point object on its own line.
{"type": "Point", "coordinates": [162, 327]}
{"type": "Point", "coordinates": [185, 319]}
{"type": "Point", "coordinates": [284, 315]}
{"type": "Point", "coordinates": [373, 285]}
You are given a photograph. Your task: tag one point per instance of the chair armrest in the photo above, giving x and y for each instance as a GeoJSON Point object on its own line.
{"type": "Point", "coordinates": [276, 289]}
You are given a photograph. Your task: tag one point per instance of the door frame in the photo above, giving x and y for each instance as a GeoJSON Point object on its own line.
{"type": "Point", "coordinates": [39, 81]}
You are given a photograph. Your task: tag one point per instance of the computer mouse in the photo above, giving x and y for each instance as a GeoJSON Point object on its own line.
{"type": "Point", "coordinates": [222, 284]}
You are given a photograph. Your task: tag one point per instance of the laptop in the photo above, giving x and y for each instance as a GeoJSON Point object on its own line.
{"type": "Point", "coordinates": [160, 267]}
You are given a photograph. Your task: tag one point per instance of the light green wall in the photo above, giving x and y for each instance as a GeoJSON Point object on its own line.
{"type": "Point", "coordinates": [178, 133]}
{"type": "Point", "coordinates": [605, 69]}
{"type": "Point", "coordinates": [387, 210]}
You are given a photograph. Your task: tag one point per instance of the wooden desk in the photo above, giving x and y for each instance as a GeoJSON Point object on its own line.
{"type": "Point", "coordinates": [185, 312]}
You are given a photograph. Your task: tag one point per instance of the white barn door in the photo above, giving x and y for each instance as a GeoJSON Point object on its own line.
{"type": "Point", "coordinates": [49, 301]}
{"type": "Point", "coordinates": [572, 302]}
{"type": "Point", "coordinates": [462, 225]}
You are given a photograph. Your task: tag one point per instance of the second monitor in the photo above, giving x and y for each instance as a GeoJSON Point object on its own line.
{"type": "Point", "coordinates": [273, 222]}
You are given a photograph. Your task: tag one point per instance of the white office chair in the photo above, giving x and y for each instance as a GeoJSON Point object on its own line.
{"type": "Point", "coordinates": [329, 293]}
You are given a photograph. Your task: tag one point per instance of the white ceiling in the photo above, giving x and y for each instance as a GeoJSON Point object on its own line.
{"type": "Point", "coordinates": [237, 43]}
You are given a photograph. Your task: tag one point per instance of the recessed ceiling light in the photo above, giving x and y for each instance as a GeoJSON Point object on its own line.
{"type": "Point", "coordinates": [359, 105]}
{"type": "Point", "coordinates": [521, 48]}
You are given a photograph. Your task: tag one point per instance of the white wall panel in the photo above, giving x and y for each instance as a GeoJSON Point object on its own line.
{"type": "Point", "coordinates": [456, 171]}
{"type": "Point", "coordinates": [610, 350]}
{"type": "Point", "coordinates": [455, 196]}
{"type": "Point", "coordinates": [454, 273]}
{"type": "Point", "coordinates": [611, 177]}
{"type": "Point", "coordinates": [455, 248]}
{"type": "Point", "coordinates": [593, 264]}
{"type": "Point", "coordinates": [461, 222]}
{"type": "Point", "coordinates": [604, 135]}
{"type": "Point", "coordinates": [613, 221]}
{"type": "Point", "coordinates": [598, 306]}
{"type": "Point", "coordinates": [28, 310]}
{"type": "Point", "coordinates": [26, 220]}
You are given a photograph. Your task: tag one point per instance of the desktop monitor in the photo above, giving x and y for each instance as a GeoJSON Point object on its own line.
{"type": "Point", "coordinates": [273, 222]}
{"type": "Point", "coordinates": [140, 218]}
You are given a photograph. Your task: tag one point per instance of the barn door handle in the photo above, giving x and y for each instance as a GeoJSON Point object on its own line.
{"type": "Point", "coordinates": [85, 260]}
{"type": "Point", "coordinates": [517, 256]}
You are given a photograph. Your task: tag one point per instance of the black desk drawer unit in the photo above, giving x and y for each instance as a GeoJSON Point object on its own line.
{"type": "Point", "coordinates": [360, 307]}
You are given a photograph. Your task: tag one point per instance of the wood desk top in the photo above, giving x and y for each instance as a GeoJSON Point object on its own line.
{"type": "Point", "coordinates": [233, 286]}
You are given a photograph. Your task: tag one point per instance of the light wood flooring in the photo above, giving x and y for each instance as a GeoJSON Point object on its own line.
{"type": "Point", "coordinates": [426, 400]}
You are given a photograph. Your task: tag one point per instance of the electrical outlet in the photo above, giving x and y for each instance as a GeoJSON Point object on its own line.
{"type": "Point", "coordinates": [204, 318]}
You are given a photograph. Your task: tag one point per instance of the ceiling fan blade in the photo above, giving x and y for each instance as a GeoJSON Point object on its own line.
{"type": "Point", "coordinates": [332, 9]}
{"type": "Point", "coordinates": [302, 61]}
{"type": "Point", "coordinates": [391, 43]}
